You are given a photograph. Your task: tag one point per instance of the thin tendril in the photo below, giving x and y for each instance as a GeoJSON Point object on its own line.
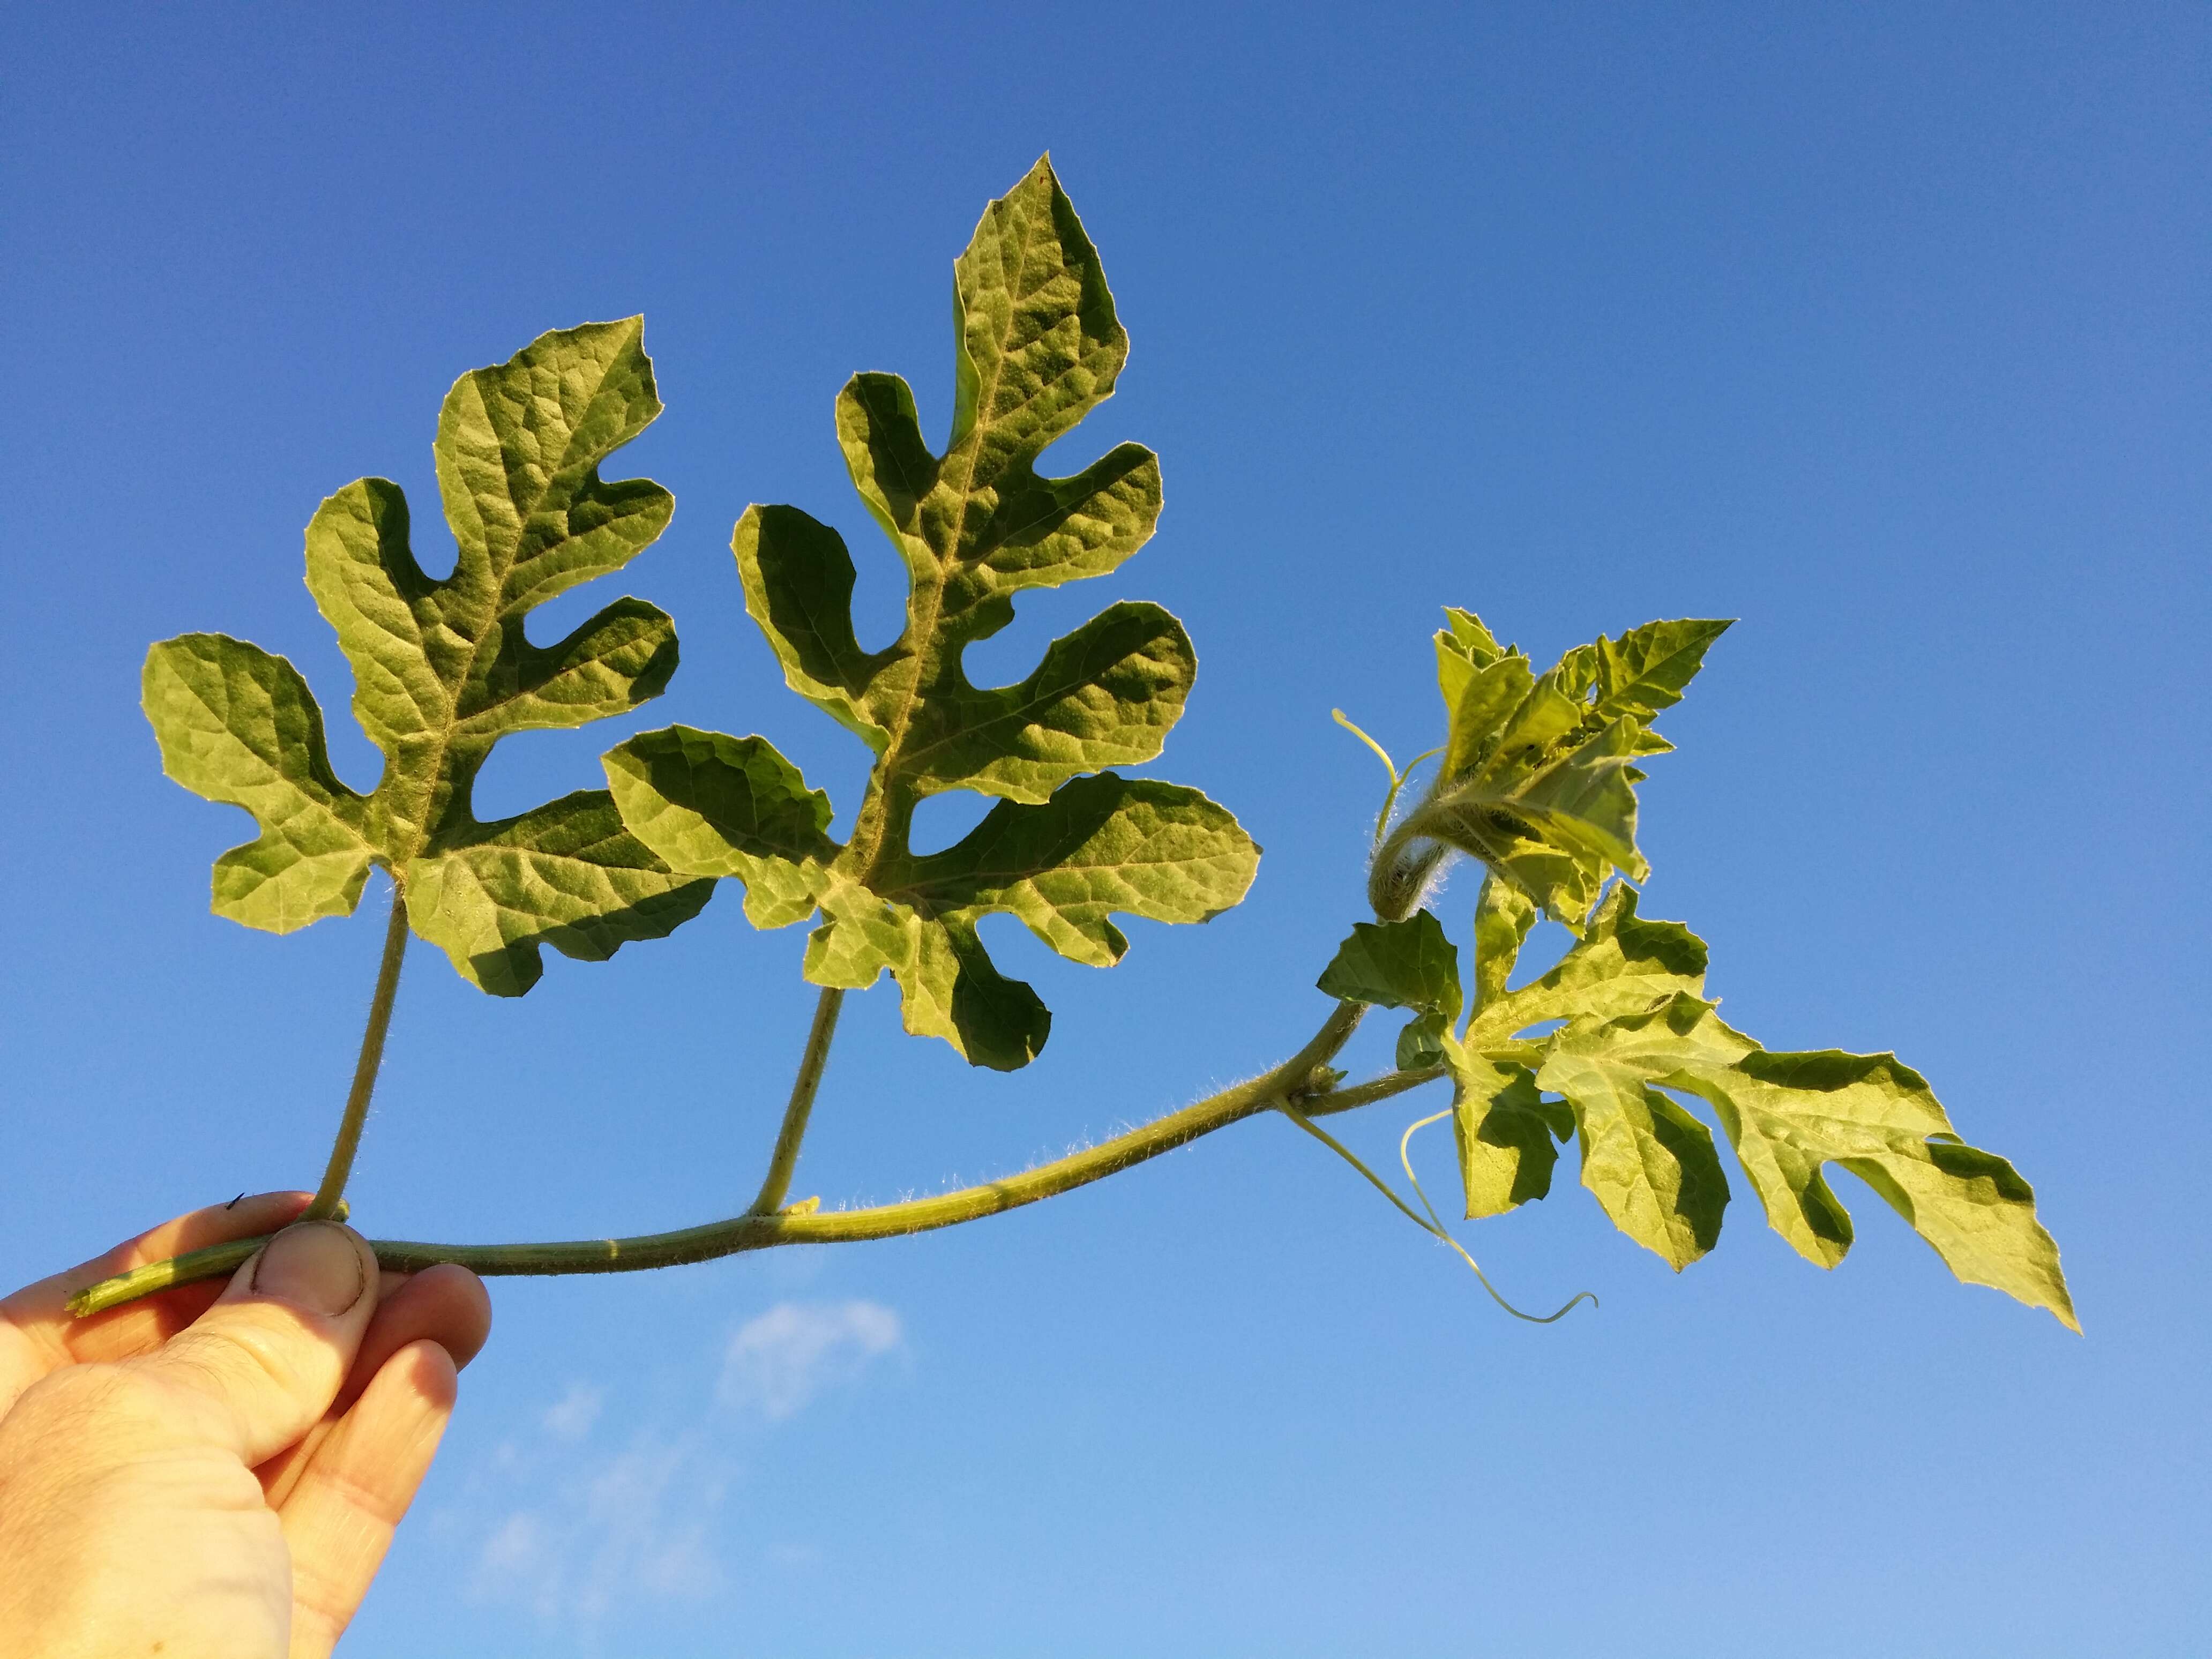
{"type": "Point", "coordinates": [1397, 778]}
{"type": "Point", "coordinates": [1382, 817]}
{"type": "Point", "coordinates": [1404, 1156]}
{"type": "Point", "coordinates": [1398, 783]}
{"type": "Point", "coordinates": [1381, 753]}
{"type": "Point", "coordinates": [1352, 1159]}
{"type": "Point", "coordinates": [1434, 1227]}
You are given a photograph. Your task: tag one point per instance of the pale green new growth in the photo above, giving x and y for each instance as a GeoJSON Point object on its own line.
{"type": "Point", "coordinates": [1537, 778]}
{"type": "Point", "coordinates": [1037, 348]}
{"type": "Point", "coordinates": [442, 670]}
{"type": "Point", "coordinates": [1624, 1015]}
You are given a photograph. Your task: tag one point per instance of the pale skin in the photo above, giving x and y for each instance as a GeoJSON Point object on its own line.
{"type": "Point", "coordinates": [217, 1470]}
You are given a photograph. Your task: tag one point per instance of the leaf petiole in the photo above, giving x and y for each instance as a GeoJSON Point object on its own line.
{"type": "Point", "coordinates": [332, 1194]}
{"type": "Point", "coordinates": [812, 1064]}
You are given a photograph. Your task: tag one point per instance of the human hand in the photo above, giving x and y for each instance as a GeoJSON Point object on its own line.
{"type": "Point", "coordinates": [217, 1471]}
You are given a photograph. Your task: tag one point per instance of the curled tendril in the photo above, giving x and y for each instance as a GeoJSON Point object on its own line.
{"type": "Point", "coordinates": [1431, 1225]}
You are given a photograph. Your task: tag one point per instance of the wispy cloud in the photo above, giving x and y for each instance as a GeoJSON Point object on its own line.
{"type": "Point", "coordinates": [634, 1523]}
{"type": "Point", "coordinates": [572, 1418]}
{"type": "Point", "coordinates": [780, 1360]}
{"type": "Point", "coordinates": [585, 1530]}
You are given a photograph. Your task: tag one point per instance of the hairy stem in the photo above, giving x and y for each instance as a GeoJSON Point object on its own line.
{"type": "Point", "coordinates": [329, 1196]}
{"type": "Point", "coordinates": [1366, 1093]}
{"type": "Point", "coordinates": [758, 1231]}
{"type": "Point", "coordinates": [787, 1139]}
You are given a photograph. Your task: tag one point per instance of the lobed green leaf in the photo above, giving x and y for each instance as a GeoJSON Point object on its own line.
{"type": "Point", "coordinates": [1622, 964]}
{"type": "Point", "coordinates": [716, 806]}
{"type": "Point", "coordinates": [1036, 347]}
{"type": "Point", "coordinates": [1789, 1116]}
{"type": "Point", "coordinates": [443, 670]}
{"type": "Point", "coordinates": [1503, 917]}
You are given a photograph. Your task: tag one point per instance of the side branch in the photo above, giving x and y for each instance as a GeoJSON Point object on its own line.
{"type": "Point", "coordinates": [1366, 1093]}
{"type": "Point", "coordinates": [758, 1231]}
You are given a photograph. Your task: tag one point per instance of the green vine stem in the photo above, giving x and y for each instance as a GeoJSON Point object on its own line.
{"type": "Point", "coordinates": [758, 1231]}
{"type": "Point", "coordinates": [331, 1193]}
{"type": "Point", "coordinates": [803, 1087]}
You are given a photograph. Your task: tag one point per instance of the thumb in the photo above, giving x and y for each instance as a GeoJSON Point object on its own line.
{"type": "Point", "coordinates": [266, 1360]}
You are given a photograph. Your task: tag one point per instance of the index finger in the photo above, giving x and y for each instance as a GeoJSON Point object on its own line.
{"type": "Point", "coordinates": [39, 1335]}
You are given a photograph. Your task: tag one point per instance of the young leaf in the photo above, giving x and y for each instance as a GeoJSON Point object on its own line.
{"type": "Point", "coordinates": [442, 670]}
{"type": "Point", "coordinates": [1555, 830]}
{"type": "Point", "coordinates": [1537, 774]}
{"type": "Point", "coordinates": [1788, 1115]}
{"type": "Point", "coordinates": [1036, 347]}
{"type": "Point", "coordinates": [1397, 964]}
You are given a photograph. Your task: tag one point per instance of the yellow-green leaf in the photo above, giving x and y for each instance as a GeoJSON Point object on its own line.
{"type": "Point", "coordinates": [1790, 1114]}
{"type": "Point", "coordinates": [1538, 772]}
{"type": "Point", "coordinates": [1505, 1131]}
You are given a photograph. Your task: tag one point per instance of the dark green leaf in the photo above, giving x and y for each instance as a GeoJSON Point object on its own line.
{"type": "Point", "coordinates": [1397, 964]}
{"type": "Point", "coordinates": [1421, 1043]}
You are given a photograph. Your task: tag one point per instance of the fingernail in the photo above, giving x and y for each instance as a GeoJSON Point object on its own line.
{"type": "Point", "coordinates": [312, 1264]}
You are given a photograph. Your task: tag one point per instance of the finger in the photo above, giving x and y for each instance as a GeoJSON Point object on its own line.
{"type": "Point", "coordinates": [262, 1364]}
{"type": "Point", "coordinates": [39, 1335]}
{"type": "Point", "coordinates": [448, 1305]}
{"type": "Point", "coordinates": [338, 1519]}
{"type": "Point", "coordinates": [444, 1304]}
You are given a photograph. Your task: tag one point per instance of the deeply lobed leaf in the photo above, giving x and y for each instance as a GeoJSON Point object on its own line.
{"type": "Point", "coordinates": [442, 670]}
{"type": "Point", "coordinates": [1626, 1026]}
{"type": "Point", "coordinates": [1789, 1114]}
{"type": "Point", "coordinates": [1069, 845]}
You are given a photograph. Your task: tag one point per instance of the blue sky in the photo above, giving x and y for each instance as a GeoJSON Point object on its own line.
{"type": "Point", "coordinates": [1882, 329]}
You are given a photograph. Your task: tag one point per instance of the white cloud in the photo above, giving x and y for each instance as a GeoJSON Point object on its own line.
{"type": "Point", "coordinates": [587, 1537]}
{"type": "Point", "coordinates": [572, 1418]}
{"type": "Point", "coordinates": [780, 1360]}
{"type": "Point", "coordinates": [633, 1524]}
{"type": "Point", "coordinates": [514, 1550]}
